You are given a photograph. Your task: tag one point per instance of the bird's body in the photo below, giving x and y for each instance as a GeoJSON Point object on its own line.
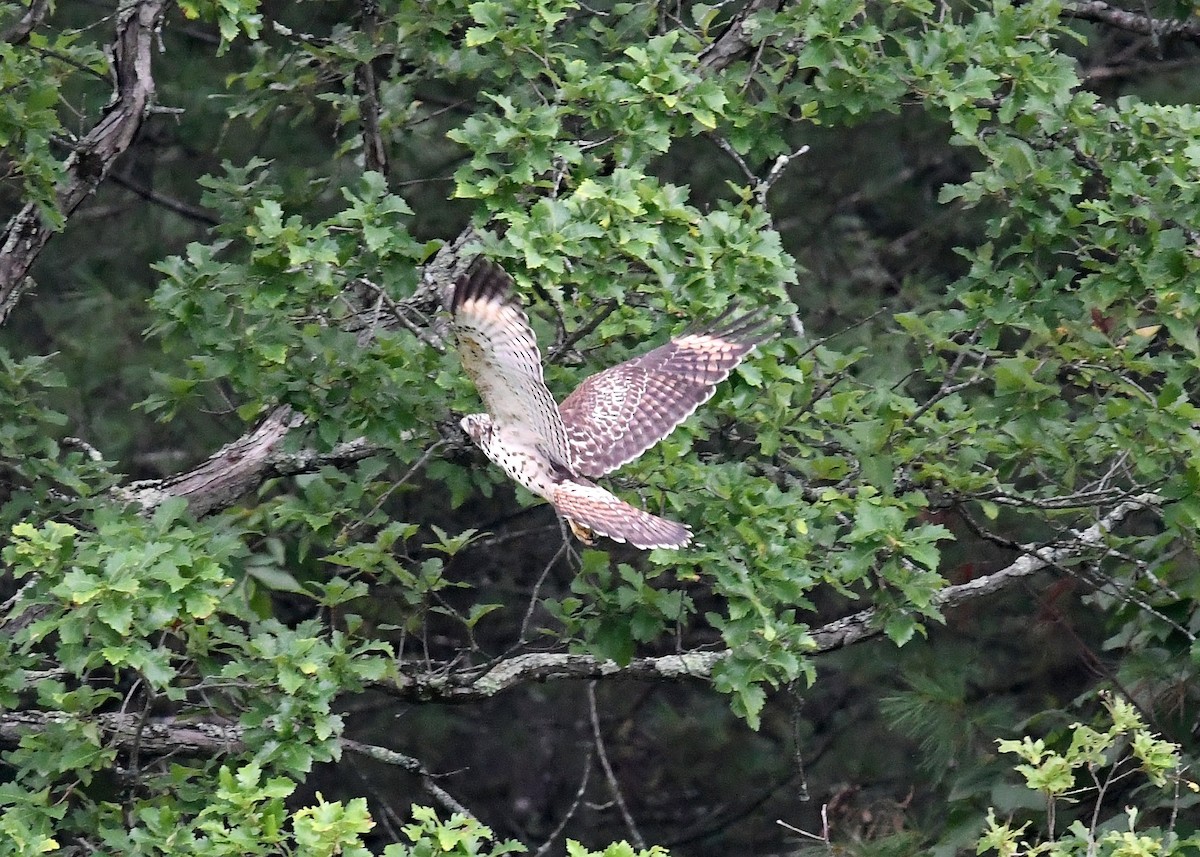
{"type": "Point", "coordinates": [519, 452]}
{"type": "Point", "coordinates": [612, 418]}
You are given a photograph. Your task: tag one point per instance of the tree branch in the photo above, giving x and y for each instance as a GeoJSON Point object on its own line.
{"type": "Point", "coordinates": [183, 209]}
{"type": "Point", "coordinates": [1103, 13]}
{"type": "Point", "coordinates": [34, 15]}
{"type": "Point", "coordinates": [155, 736]}
{"type": "Point", "coordinates": [240, 466]}
{"type": "Point", "coordinates": [408, 763]}
{"type": "Point", "coordinates": [366, 81]}
{"type": "Point", "coordinates": [490, 680]}
{"type": "Point", "coordinates": [225, 475]}
{"type": "Point", "coordinates": [28, 231]}
{"type": "Point", "coordinates": [735, 41]}
{"type": "Point", "coordinates": [162, 736]}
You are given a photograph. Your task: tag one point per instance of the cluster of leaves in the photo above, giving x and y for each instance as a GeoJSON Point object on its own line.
{"type": "Point", "coordinates": [36, 471]}
{"type": "Point", "coordinates": [147, 610]}
{"type": "Point", "coordinates": [1101, 759]}
{"type": "Point", "coordinates": [34, 75]}
{"type": "Point", "coordinates": [288, 288]}
{"type": "Point", "coordinates": [461, 835]}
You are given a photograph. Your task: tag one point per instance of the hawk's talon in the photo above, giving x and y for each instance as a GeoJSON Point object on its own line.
{"type": "Point", "coordinates": [584, 534]}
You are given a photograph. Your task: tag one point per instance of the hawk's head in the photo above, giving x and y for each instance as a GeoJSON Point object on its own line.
{"type": "Point", "coordinates": [479, 428]}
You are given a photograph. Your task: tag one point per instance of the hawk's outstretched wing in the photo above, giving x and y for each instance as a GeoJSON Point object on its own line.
{"type": "Point", "coordinates": [584, 502]}
{"type": "Point", "coordinates": [501, 355]}
{"type": "Point", "coordinates": [616, 415]}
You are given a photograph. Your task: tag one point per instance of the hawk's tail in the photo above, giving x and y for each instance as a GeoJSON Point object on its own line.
{"type": "Point", "coordinates": [586, 503]}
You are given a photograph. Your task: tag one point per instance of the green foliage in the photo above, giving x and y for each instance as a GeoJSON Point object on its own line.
{"type": "Point", "coordinates": [152, 602]}
{"type": "Point", "coordinates": [233, 18]}
{"type": "Point", "coordinates": [38, 472]}
{"type": "Point", "coordinates": [965, 410]}
{"type": "Point", "coordinates": [459, 835]}
{"type": "Point", "coordinates": [1100, 758]}
{"type": "Point", "coordinates": [33, 77]}
{"type": "Point", "coordinates": [305, 273]}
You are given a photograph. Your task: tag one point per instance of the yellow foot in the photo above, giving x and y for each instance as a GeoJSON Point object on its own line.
{"type": "Point", "coordinates": [582, 533]}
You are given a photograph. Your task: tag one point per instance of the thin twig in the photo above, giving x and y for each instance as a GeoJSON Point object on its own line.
{"type": "Point", "coordinates": [537, 587]}
{"type": "Point", "coordinates": [608, 309]}
{"type": "Point", "coordinates": [725, 146]}
{"type": "Point", "coordinates": [613, 785]}
{"type": "Point", "coordinates": [562, 823]}
{"type": "Point", "coordinates": [408, 763]}
{"type": "Point", "coordinates": [764, 186]}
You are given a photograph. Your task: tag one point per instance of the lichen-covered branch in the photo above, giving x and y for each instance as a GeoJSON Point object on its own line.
{"type": "Point", "coordinates": [1100, 12]}
{"type": "Point", "coordinates": [155, 736]}
{"type": "Point", "coordinates": [467, 685]}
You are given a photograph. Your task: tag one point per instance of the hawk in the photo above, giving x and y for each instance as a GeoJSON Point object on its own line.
{"type": "Point", "coordinates": [612, 418]}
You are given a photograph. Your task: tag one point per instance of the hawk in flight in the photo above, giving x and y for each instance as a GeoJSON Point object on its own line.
{"type": "Point", "coordinates": [612, 418]}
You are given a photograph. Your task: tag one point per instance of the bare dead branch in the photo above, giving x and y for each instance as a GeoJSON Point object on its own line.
{"type": "Point", "coordinates": [224, 476]}
{"type": "Point", "coordinates": [28, 231]}
{"type": "Point", "coordinates": [239, 466]}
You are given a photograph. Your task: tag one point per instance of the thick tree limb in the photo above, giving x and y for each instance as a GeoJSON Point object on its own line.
{"type": "Point", "coordinates": [28, 231]}
{"type": "Point", "coordinates": [241, 465]}
{"type": "Point", "coordinates": [156, 736]}
{"type": "Point", "coordinates": [222, 477]}
{"type": "Point", "coordinates": [19, 31]}
{"type": "Point", "coordinates": [468, 685]}
{"type": "Point", "coordinates": [1135, 22]}
{"type": "Point", "coordinates": [735, 41]}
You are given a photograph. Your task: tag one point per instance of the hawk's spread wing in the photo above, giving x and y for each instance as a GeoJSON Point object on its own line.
{"type": "Point", "coordinates": [616, 415]}
{"type": "Point", "coordinates": [604, 513]}
{"type": "Point", "coordinates": [500, 353]}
